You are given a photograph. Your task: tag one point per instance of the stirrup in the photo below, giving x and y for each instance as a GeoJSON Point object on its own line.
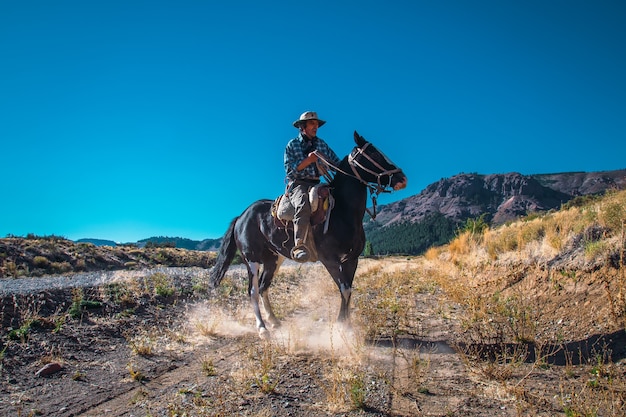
{"type": "Point", "coordinates": [300, 253]}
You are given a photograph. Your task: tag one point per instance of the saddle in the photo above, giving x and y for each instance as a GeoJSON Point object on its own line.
{"type": "Point", "coordinates": [322, 203]}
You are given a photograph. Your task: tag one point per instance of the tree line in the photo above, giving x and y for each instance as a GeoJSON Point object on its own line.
{"type": "Point", "coordinates": [409, 238]}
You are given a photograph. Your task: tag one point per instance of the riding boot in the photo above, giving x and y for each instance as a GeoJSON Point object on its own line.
{"type": "Point", "coordinates": [300, 252]}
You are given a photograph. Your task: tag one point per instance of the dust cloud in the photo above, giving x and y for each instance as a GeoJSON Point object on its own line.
{"type": "Point", "coordinates": [305, 299]}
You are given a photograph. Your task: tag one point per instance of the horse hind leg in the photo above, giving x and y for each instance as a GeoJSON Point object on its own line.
{"type": "Point", "coordinates": [269, 270]}
{"type": "Point", "coordinates": [271, 317]}
{"type": "Point", "coordinates": [253, 291]}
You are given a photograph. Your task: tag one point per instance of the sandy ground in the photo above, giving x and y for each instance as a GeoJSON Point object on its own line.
{"type": "Point", "coordinates": [201, 356]}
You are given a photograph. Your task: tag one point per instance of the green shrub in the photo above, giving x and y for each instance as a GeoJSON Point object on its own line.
{"type": "Point", "coordinates": [475, 227]}
{"type": "Point", "coordinates": [79, 303]}
{"type": "Point", "coordinates": [41, 262]}
{"type": "Point", "coordinates": [162, 285]}
{"type": "Point", "coordinates": [61, 267]}
{"type": "Point", "coordinates": [613, 215]}
{"type": "Point", "coordinates": [22, 332]}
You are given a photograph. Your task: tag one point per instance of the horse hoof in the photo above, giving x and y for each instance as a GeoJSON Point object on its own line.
{"type": "Point", "coordinates": [275, 324]}
{"type": "Point", "coordinates": [264, 333]}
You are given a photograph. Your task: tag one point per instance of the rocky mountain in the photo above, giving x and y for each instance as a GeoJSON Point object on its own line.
{"type": "Point", "coordinates": [584, 183]}
{"type": "Point", "coordinates": [500, 197]}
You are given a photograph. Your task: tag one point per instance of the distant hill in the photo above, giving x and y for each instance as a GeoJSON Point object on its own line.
{"type": "Point", "coordinates": [98, 242]}
{"type": "Point", "coordinates": [163, 241]}
{"type": "Point", "coordinates": [181, 243]}
{"type": "Point", "coordinates": [428, 218]}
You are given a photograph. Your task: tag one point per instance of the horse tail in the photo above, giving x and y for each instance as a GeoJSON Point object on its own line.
{"type": "Point", "coordinates": [225, 256]}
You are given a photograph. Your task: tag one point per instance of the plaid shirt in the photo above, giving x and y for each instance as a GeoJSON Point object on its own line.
{"type": "Point", "coordinates": [298, 149]}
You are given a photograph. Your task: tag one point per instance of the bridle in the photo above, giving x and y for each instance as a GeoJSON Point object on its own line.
{"type": "Point", "coordinates": [375, 188]}
{"type": "Point", "coordinates": [354, 163]}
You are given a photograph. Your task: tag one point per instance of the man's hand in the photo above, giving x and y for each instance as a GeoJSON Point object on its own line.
{"type": "Point", "coordinates": [311, 158]}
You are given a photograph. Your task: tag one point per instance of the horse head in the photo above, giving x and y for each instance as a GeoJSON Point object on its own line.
{"type": "Point", "coordinates": [370, 165]}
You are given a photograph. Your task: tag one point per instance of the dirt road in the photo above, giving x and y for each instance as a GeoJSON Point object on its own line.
{"type": "Point", "coordinates": [200, 355]}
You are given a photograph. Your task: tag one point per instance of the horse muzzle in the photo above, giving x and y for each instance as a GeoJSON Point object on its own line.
{"type": "Point", "coordinates": [399, 182]}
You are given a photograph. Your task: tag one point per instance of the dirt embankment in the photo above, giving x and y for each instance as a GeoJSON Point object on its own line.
{"type": "Point", "coordinates": [20, 257]}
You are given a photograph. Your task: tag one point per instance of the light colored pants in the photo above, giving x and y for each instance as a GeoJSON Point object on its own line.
{"type": "Point", "coordinates": [299, 198]}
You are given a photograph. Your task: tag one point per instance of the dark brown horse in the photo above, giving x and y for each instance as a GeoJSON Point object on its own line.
{"type": "Point", "coordinates": [262, 244]}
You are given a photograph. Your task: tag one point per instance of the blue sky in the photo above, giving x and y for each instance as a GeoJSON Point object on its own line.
{"type": "Point", "coordinates": [128, 119]}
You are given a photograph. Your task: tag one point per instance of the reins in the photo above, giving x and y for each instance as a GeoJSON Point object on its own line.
{"type": "Point", "coordinates": [374, 188]}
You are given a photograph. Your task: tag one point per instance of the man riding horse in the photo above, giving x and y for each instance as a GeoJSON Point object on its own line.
{"type": "Point", "coordinates": [301, 155]}
{"type": "Point", "coordinates": [339, 242]}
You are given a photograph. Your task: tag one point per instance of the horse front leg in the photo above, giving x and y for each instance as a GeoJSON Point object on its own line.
{"type": "Point", "coordinates": [343, 275]}
{"type": "Point", "coordinates": [344, 310]}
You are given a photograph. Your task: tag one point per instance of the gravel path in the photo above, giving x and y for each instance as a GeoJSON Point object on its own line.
{"type": "Point", "coordinates": [94, 279]}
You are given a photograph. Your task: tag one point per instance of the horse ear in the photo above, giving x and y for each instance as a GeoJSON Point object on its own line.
{"type": "Point", "coordinates": [358, 139]}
